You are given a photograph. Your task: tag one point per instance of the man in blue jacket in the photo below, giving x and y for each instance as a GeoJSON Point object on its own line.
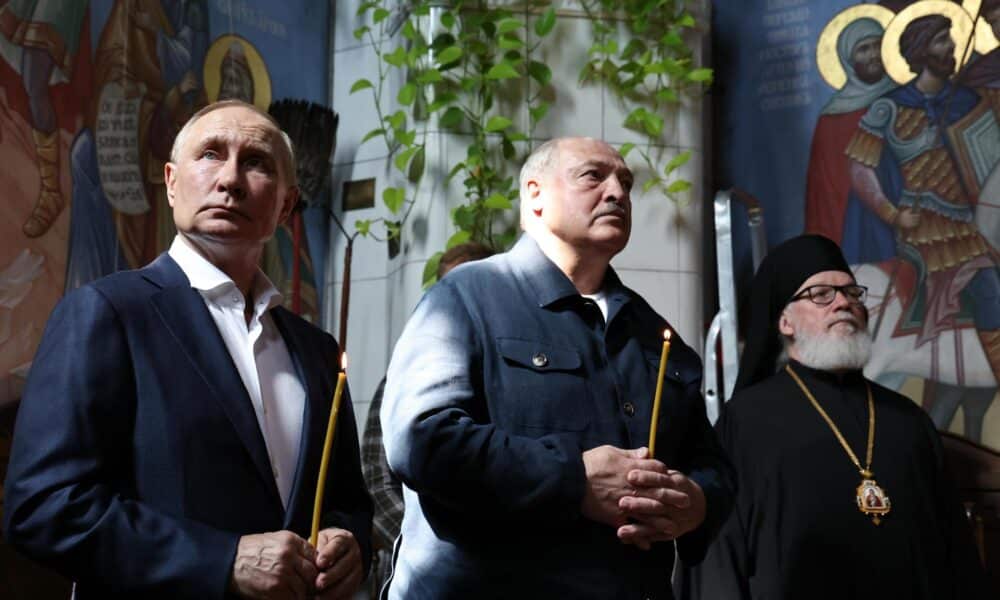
{"type": "Point", "coordinates": [170, 434]}
{"type": "Point", "coordinates": [517, 411]}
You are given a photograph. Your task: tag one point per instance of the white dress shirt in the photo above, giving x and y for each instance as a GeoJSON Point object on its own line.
{"type": "Point", "coordinates": [260, 355]}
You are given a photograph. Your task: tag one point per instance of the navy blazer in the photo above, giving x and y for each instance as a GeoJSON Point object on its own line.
{"type": "Point", "coordinates": [137, 460]}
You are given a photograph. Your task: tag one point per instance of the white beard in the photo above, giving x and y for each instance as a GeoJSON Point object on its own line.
{"type": "Point", "coordinates": [831, 352]}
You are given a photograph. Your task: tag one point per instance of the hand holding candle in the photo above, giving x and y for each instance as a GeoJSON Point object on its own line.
{"type": "Point", "coordinates": [324, 464]}
{"type": "Point", "coordinates": [659, 392]}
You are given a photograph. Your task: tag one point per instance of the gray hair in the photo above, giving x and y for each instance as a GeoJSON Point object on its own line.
{"type": "Point", "coordinates": [287, 162]}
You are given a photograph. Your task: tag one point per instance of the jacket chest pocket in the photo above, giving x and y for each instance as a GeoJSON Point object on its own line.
{"type": "Point", "coordinates": [543, 388]}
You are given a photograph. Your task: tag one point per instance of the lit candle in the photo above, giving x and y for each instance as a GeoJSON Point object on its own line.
{"type": "Point", "coordinates": [659, 392]}
{"type": "Point", "coordinates": [324, 464]}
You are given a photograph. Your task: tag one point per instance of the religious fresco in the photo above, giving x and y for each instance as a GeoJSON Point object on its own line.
{"type": "Point", "coordinates": [92, 95]}
{"type": "Point", "coordinates": [888, 144]}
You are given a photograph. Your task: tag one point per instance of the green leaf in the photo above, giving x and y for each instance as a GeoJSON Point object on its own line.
{"type": "Point", "coordinates": [498, 202]}
{"type": "Point", "coordinates": [636, 118]}
{"type": "Point", "coordinates": [538, 111]}
{"type": "Point", "coordinates": [395, 58]}
{"type": "Point", "coordinates": [429, 76]}
{"type": "Point", "coordinates": [625, 149]}
{"type": "Point", "coordinates": [459, 237]}
{"type": "Point", "coordinates": [508, 42]}
{"type": "Point", "coordinates": [363, 226]}
{"type": "Point", "coordinates": [680, 185]}
{"type": "Point", "coordinates": [365, 7]}
{"type": "Point", "coordinates": [451, 117]}
{"type": "Point", "coordinates": [655, 68]}
{"type": "Point", "coordinates": [361, 84]}
{"type": "Point", "coordinates": [653, 124]}
{"type": "Point", "coordinates": [393, 198]}
{"type": "Point", "coordinates": [404, 157]}
{"type": "Point", "coordinates": [416, 166]}
{"type": "Point", "coordinates": [454, 171]}
{"type": "Point", "coordinates": [546, 22]}
{"type": "Point", "coordinates": [431, 269]}
{"type": "Point", "coordinates": [379, 15]}
{"type": "Point", "coordinates": [464, 216]}
{"type": "Point", "coordinates": [672, 39]}
{"type": "Point", "coordinates": [677, 161]}
{"type": "Point", "coordinates": [650, 184]}
{"type": "Point", "coordinates": [667, 95]}
{"type": "Point", "coordinates": [700, 75]}
{"type": "Point", "coordinates": [448, 20]}
{"type": "Point", "coordinates": [449, 55]}
{"type": "Point", "coordinates": [686, 20]}
{"type": "Point", "coordinates": [509, 24]}
{"type": "Point", "coordinates": [516, 136]}
{"type": "Point", "coordinates": [372, 133]}
{"type": "Point", "coordinates": [360, 32]}
{"type": "Point", "coordinates": [502, 70]}
{"type": "Point", "coordinates": [540, 72]}
{"type": "Point", "coordinates": [406, 137]}
{"type": "Point", "coordinates": [407, 94]}
{"type": "Point", "coordinates": [497, 123]}
{"type": "Point", "coordinates": [397, 119]}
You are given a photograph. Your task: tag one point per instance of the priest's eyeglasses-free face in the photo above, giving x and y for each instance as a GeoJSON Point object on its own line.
{"type": "Point", "coordinates": [824, 295]}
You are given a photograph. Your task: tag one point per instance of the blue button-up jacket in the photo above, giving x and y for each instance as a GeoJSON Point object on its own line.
{"type": "Point", "coordinates": [502, 378]}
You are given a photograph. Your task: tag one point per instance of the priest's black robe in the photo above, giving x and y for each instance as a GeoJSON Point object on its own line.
{"type": "Point", "coordinates": [796, 531]}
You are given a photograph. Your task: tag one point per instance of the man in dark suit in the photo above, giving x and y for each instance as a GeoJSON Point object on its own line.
{"type": "Point", "coordinates": [171, 430]}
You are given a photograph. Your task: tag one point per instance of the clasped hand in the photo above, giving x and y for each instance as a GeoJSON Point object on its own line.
{"type": "Point", "coordinates": [646, 501]}
{"type": "Point", "coordinates": [282, 565]}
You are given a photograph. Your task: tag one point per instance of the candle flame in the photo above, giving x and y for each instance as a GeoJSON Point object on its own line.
{"type": "Point", "coordinates": [343, 361]}
{"type": "Point", "coordinates": [666, 334]}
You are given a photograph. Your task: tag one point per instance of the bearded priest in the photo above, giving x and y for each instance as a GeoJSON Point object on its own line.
{"type": "Point", "coordinates": [843, 490]}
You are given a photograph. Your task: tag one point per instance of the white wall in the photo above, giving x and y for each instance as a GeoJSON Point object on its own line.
{"type": "Point", "coordinates": [662, 262]}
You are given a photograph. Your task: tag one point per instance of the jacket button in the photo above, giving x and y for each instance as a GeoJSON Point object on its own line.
{"type": "Point", "coordinates": [539, 360]}
{"type": "Point", "coordinates": [629, 409]}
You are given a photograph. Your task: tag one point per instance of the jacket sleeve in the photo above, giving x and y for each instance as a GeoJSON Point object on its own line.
{"type": "Point", "coordinates": [439, 439]}
{"type": "Point", "coordinates": [68, 499]}
{"type": "Point", "coordinates": [705, 461]}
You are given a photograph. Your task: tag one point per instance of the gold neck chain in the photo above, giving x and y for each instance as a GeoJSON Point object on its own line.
{"type": "Point", "coordinates": [866, 471]}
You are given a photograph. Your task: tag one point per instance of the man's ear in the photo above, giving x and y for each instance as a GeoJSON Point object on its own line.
{"type": "Point", "coordinates": [535, 201]}
{"type": "Point", "coordinates": [170, 178]}
{"type": "Point", "coordinates": [291, 200]}
{"type": "Point", "coordinates": [785, 325]}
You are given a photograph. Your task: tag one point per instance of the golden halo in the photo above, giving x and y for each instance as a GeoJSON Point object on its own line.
{"type": "Point", "coordinates": [985, 40]}
{"type": "Point", "coordinates": [213, 63]}
{"type": "Point", "coordinates": [961, 26]}
{"type": "Point", "coordinates": [826, 47]}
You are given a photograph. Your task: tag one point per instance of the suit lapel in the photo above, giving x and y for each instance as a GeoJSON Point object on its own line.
{"type": "Point", "coordinates": [316, 413]}
{"type": "Point", "coordinates": [187, 318]}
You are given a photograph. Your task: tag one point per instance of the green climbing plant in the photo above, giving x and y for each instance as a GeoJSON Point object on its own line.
{"type": "Point", "coordinates": [649, 69]}
{"type": "Point", "coordinates": [456, 62]}
{"type": "Point", "coordinates": [458, 59]}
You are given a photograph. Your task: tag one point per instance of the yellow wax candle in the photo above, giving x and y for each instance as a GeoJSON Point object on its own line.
{"type": "Point", "coordinates": [324, 464]}
{"type": "Point", "coordinates": [659, 392]}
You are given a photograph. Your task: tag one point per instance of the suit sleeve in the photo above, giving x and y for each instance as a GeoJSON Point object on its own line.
{"type": "Point", "coordinates": [439, 440]}
{"type": "Point", "coordinates": [68, 500]}
{"type": "Point", "coordinates": [705, 461]}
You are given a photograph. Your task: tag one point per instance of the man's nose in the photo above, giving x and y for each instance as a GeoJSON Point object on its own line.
{"type": "Point", "coordinates": [614, 191]}
{"type": "Point", "coordinates": [230, 179]}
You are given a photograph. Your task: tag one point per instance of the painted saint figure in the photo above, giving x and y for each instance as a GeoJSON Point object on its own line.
{"type": "Point", "coordinates": [828, 183]}
{"type": "Point", "coordinates": [912, 166]}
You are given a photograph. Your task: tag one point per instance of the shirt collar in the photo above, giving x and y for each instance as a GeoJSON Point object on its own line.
{"type": "Point", "coordinates": [211, 281]}
{"type": "Point", "coordinates": [549, 283]}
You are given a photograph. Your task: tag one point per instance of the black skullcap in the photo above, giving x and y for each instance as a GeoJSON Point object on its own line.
{"type": "Point", "coordinates": [781, 273]}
